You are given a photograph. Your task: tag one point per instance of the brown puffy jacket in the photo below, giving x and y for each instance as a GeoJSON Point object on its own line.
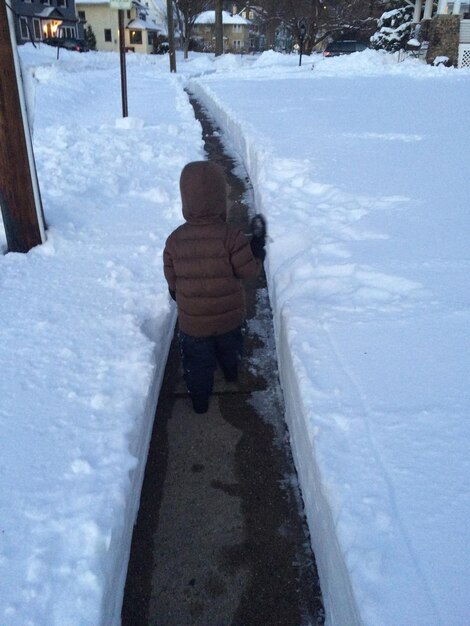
{"type": "Point", "coordinates": [205, 258]}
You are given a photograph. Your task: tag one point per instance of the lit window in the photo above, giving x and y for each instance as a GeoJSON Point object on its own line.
{"type": "Point", "coordinates": [136, 36]}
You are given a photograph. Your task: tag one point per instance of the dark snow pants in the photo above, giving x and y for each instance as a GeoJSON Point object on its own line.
{"type": "Point", "coordinates": [201, 355]}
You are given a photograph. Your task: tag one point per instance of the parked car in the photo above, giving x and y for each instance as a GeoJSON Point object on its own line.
{"type": "Point", "coordinates": [345, 46]}
{"type": "Point", "coordinates": [69, 43]}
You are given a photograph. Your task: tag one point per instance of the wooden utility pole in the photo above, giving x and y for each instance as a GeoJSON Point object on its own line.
{"type": "Point", "coordinates": [171, 35]}
{"type": "Point", "coordinates": [122, 59]}
{"type": "Point", "coordinates": [20, 199]}
{"type": "Point", "coordinates": [219, 29]}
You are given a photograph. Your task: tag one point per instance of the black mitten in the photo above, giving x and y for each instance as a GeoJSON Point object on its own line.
{"type": "Point", "coordinates": [257, 248]}
{"type": "Point", "coordinates": [258, 236]}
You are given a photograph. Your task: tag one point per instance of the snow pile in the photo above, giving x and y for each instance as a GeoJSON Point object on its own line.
{"type": "Point", "coordinates": [85, 328]}
{"type": "Point", "coordinates": [366, 200]}
{"type": "Point", "coordinates": [360, 171]}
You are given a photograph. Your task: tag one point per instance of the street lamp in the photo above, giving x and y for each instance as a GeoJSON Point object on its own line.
{"type": "Point", "coordinates": [302, 31]}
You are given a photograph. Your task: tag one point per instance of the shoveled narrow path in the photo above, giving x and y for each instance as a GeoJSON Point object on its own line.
{"type": "Point", "coordinates": [221, 538]}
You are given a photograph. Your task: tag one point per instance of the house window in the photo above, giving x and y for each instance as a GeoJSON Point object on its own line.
{"type": "Point", "coordinates": [62, 3]}
{"type": "Point", "coordinates": [45, 2]}
{"type": "Point", "coordinates": [67, 31]}
{"type": "Point", "coordinates": [151, 38]}
{"type": "Point", "coordinates": [37, 28]}
{"type": "Point", "coordinates": [82, 16]}
{"type": "Point", "coordinates": [128, 15]}
{"type": "Point", "coordinates": [136, 36]}
{"type": "Point", "coordinates": [24, 28]}
{"type": "Point", "coordinates": [108, 36]}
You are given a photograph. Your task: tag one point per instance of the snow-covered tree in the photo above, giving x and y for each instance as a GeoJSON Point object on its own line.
{"type": "Point", "coordinates": [395, 28]}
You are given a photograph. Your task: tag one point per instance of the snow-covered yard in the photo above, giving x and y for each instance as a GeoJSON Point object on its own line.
{"type": "Point", "coordinates": [359, 164]}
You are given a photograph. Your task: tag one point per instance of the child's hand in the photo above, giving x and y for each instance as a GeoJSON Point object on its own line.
{"type": "Point", "coordinates": [258, 236]}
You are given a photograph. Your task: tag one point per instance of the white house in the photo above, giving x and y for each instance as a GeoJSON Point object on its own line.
{"type": "Point", "coordinates": [140, 29]}
{"type": "Point", "coordinates": [235, 31]}
{"type": "Point", "coordinates": [446, 25]}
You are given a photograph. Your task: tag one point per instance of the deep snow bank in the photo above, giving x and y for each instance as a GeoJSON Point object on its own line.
{"type": "Point", "coordinates": [85, 327]}
{"type": "Point", "coordinates": [340, 604]}
{"type": "Point", "coordinates": [366, 269]}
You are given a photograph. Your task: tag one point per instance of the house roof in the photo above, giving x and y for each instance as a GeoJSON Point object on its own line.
{"type": "Point", "coordinates": [104, 2]}
{"type": "Point", "coordinates": [208, 17]}
{"type": "Point", "coordinates": [142, 25]}
{"type": "Point", "coordinates": [50, 12]}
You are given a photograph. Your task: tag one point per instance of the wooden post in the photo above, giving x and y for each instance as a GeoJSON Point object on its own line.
{"type": "Point", "coordinates": [171, 35]}
{"type": "Point", "coordinates": [20, 199]}
{"type": "Point", "coordinates": [122, 58]}
{"type": "Point", "coordinates": [219, 29]}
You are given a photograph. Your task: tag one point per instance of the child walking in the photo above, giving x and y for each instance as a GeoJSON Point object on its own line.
{"type": "Point", "coordinates": [205, 260]}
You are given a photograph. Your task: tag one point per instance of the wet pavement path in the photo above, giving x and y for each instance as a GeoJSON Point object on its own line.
{"type": "Point", "coordinates": [221, 538]}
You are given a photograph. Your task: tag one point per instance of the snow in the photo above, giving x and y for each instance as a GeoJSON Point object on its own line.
{"type": "Point", "coordinates": [208, 17]}
{"type": "Point", "coordinates": [360, 169]}
{"type": "Point", "coordinates": [143, 25]}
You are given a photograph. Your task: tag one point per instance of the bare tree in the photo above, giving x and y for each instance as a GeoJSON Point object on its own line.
{"type": "Point", "coordinates": [273, 14]}
{"type": "Point", "coordinates": [324, 18]}
{"type": "Point", "coordinates": [187, 12]}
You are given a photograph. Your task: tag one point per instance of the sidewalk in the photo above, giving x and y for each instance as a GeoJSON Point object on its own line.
{"type": "Point", "coordinates": [221, 538]}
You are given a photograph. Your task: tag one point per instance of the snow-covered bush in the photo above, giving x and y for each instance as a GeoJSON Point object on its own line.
{"type": "Point", "coordinates": [394, 28]}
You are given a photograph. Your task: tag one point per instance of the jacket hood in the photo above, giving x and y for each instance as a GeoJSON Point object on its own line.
{"type": "Point", "coordinates": [203, 192]}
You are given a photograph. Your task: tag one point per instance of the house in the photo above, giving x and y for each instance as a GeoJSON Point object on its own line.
{"type": "Point", "coordinates": [37, 19]}
{"type": "Point", "coordinates": [235, 31]}
{"type": "Point", "coordinates": [141, 31]}
{"type": "Point", "coordinates": [445, 26]}
{"type": "Point", "coordinates": [256, 26]}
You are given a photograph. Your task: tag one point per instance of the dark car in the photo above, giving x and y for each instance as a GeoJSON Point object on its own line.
{"type": "Point", "coordinates": [346, 46]}
{"type": "Point", "coordinates": [69, 43]}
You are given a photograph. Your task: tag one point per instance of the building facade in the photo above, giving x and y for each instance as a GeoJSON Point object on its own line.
{"type": "Point", "coordinates": [445, 27]}
{"type": "Point", "coordinates": [235, 32]}
{"type": "Point", "coordinates": [141, 31]}
{"type": "Point", "coordinates": [37, 19]}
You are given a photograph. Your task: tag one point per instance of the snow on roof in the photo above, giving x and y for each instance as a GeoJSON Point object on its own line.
{"type": "Point", "coordinates": [49, 12]}
{"type": "Point", "coordinates": [134, 2]}
{"type": "Point", "coordinates": [143, 25]}
{"type": "Point", "coordinates": [208, 17]}
{"type": "Point", "coordinates": [91, 2]}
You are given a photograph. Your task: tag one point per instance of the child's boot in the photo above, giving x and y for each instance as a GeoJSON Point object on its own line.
{"type": "Point", "coordinates": [200, 404]}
